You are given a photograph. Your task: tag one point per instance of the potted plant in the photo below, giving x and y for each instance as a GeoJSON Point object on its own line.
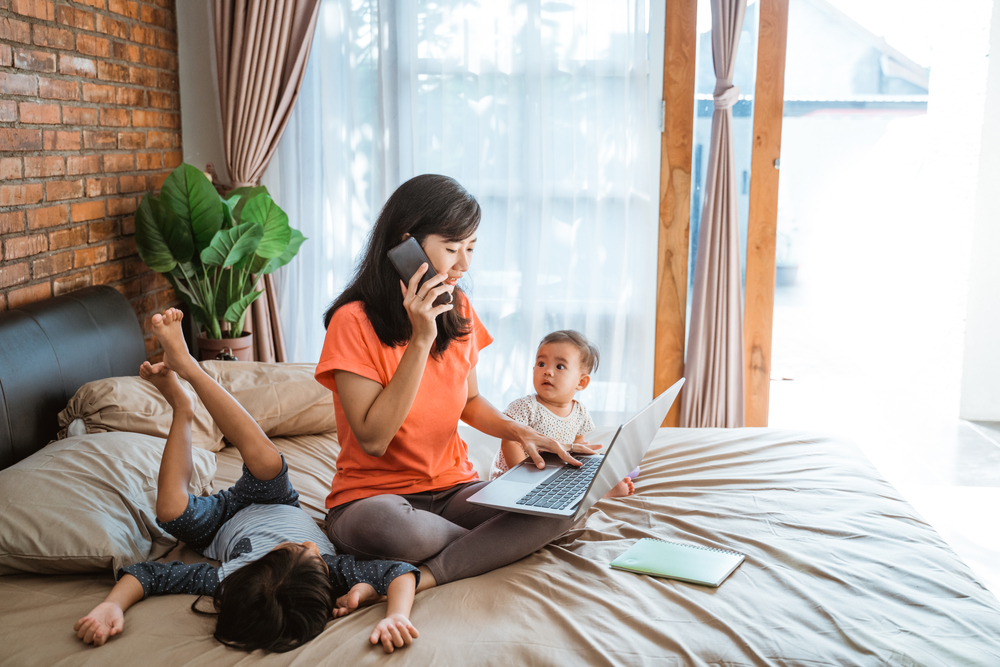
{"type": "Point", "coordinates": [214, 251]}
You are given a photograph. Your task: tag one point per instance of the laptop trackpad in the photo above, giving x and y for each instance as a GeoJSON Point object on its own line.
{"type": "Point", "coordinates": [532, 475]}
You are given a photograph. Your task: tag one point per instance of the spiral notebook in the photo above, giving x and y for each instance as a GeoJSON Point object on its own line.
{"type": "Point", "coordinates": [684, 562]}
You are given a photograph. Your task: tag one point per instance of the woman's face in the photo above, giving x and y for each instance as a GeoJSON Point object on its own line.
{"type": "Point", "coordinates": [451, 257]}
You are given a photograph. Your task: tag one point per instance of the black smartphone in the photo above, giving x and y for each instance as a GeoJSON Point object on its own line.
{"type": "Point", "coordinates": [407, 258]}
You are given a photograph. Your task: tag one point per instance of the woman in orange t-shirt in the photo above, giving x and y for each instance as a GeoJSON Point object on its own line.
{"type": "Point", "coordinates": [403, 372]}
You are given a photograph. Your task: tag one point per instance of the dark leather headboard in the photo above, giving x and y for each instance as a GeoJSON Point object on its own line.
{"type": "Point", "coordinates": [51, 348]}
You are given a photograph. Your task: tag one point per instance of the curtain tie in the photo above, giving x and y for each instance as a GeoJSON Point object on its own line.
{"type": "Point", "coordinates": [727, 97]}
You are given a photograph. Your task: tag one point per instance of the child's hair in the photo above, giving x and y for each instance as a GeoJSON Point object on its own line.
{"type": "Point", "coordinates": [590, 356]}
{"type": "Point", "coordinates": [276, 603]}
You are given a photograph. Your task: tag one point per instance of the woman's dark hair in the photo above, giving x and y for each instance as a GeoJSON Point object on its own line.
{"type": "Point", "coordinates": [276, 603]}
{"type": "Point", "coordinates": [424, 205]}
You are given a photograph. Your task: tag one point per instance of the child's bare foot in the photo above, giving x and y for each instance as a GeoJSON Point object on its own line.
{"type": "Point", "coordinates": [360, 595]}
{"type": "Point", "coordinates": [622, 489]}
{"type": "Point", "coordinates": [167, 328]}
{"type": "Point", "coordinates": [165, 380]}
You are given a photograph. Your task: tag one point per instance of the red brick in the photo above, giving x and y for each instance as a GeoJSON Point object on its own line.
{"type": "Point", "coordinates": [161, 139]}
{"type": "Point", "coordinates": [54, 38]}
{"type": "Point", "coordinates": [173, 159]}
{"type": "Point", "coordinates": [89, 45]}
{"type": "Point", "coordinates": [145, 118]}
{"type": "Point", "coordinates": [130, 97]}
{"type": "Point", "coordinates": [15, 31]}
{"type": "Point", "coordinates": [53, 264]}
{"type": "Point", "coordinates": [161, 100]}
{"type": "Point", "coordinates": [10, 168]}
{"type": "Point", "coordinates": [79, 116]}
{"type": "Point", "coordinates": [135, 267]}
{"type": "Point", "coordinates": [43, 167]}
{"type": "Point", "coordinates": [22, 297]}
{"type": "Point", "coordinates": [165, 299]}
{"type": "Point", "coordinates": [6, 56]}
{"type": "Point", "coordinates": [115, 117]}
{"type": "Point", "coordinates": [168, 81]}
{"type": "Point", "coordinates": [37, 61]}
{"type": "Point", "coordinates": [62, 141]}
{"type": "Point", "coordinates": [95, 92]}
{"type": "Point", "coordinates": [102, 231]}
{"type": "Point", "coordinates": [99, 140]}
{"type": "Point", "coordinates": [97, 187]}
{"type": "Point", "coordinates": [131, 289]}
{"type": "Point", "coordinates": [36, 9]}
{"type": "Point", "coordinates": [127, 8]}
{"type": "Point", "coordinates": [83, 164]}
{"type": "Point", "coordinates": [122, 206]}
{"type": "Point", "coordinates": [91, 210]}
{"type": "Point", "coordinates": [156, 181]}
{"type": "Point", "coordinates": [156, 58]}
{"type": "Point", "coordinates": [132, 184]}
{"type": "Point", "coordinates": [144, 304]}
{"type": "Point", "coordinates": [17, 84]}
{"type": "Point", "coordinates": [66, 284]}
{"type": "Point", "coordinates": [58, 89]}
{"type": "Point", "coordinates": [25, 246]}
{"type": "Point", "coordinates": [19, 195]}
{"type": "Point", "coordinates": [47, 114]}
{"type": "Point", "coordinates": [157, 17]}
{"type": "Point", "coordinates": [125, 51]}
{"type": "Point", "coordinates": [111, 72]}
{"type": "Point", "coordinates": [67, 238]}
{"type": "Point", "coordinates": [3, 304]}
{"type": "Point", "coordinates": [148, 161]}
{"type": "Point", "coordinates": [74, 66]}
{"type": "Point", "coordinates": [77, 18]}
{"type": "Point", "coordinates": [166, 40]}
{"type": "Point", "coordinates": [128, 225]}
{"type": "Point", "coordinates": [56, 190]}
{"type": "Point", "coordinates": [153, 281]}
{"type": "Point", "coordinates": [112, 27]}
{"type": "Point", "coordinates": [51, 216]}
{"type": "Point", "coordinates": [143, 35]}
{"type": "Point", "coordinates": [8, 111]}
{"type": "Point", "coordinates": [131, 140]}
{"type": "Point", "coordinates": [123, 248]}
{"type": "Point", "coordinates": [20, 140]}
{"type": "Point", "coordinates": [96, 4]}
{"type": "Point", "coordinates": [108, 273]}
{"type": "Point", "coordinates": [11, 222]}
{"type": "Point", "coordinates": [13, 274]}
{"type": "Point", "coordinates": [119, 162]}
{"type": "Point", "coordinates": [90, 256]}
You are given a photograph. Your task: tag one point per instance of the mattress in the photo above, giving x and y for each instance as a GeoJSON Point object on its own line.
{"type": "Point", "coordinates": [839, 570]}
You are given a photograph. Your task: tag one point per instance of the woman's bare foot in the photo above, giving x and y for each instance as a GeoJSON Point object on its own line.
{"type": "Point", "coordinates": [165, 380]}
{"type": "Point", "coordinates": [622, 489]}
{"type": "Point", "coordinates": [167, 328]}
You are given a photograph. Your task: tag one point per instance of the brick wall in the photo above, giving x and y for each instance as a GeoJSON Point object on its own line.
{"type": "Point", "coordinates": [89, 122]}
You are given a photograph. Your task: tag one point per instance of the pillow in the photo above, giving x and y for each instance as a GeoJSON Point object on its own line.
{"type": "Point", "coordinates": [87, 503]}
{"type": "Point", "coordinates": [131, 404]}
{"type": "Point", "coordinates": [284, 398]}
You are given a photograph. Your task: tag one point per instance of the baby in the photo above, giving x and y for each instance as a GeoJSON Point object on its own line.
{"type": "Point", "coordinates": [563, 364]}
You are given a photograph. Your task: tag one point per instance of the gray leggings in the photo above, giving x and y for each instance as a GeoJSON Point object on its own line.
{"type": "Point", "coordinates": [439, 529]}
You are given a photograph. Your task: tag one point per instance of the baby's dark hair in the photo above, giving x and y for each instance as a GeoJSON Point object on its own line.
{"type": "Point", "coordinates": [590, 356]}
{"type": "Point", "coordinates": [276, 603]}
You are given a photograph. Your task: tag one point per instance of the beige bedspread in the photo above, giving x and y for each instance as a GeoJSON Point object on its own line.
{"type": "Point", "coordinates": [840, 570]}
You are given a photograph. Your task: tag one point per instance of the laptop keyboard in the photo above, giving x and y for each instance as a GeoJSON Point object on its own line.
{"type": "Point", "coordinates": [563, 488]}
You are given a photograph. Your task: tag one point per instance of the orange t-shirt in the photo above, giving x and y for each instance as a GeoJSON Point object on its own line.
{"type": "Point", "coordinates": [426, 453]}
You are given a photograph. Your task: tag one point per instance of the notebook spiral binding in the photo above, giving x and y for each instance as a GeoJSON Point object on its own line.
{"type": "Point", "coordinates": [694, 546]}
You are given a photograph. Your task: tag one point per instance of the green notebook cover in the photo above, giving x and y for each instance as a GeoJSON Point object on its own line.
{"type": "Point", "coordinates": [685, 562]}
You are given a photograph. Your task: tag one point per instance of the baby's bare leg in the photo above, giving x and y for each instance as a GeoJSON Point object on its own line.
{"type": "Point", "coordinates": [258, 452]}
{"type": "Point", "coordinates": [176, 466]}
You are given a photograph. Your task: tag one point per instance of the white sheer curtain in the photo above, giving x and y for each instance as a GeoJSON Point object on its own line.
{"type": "Point", "coordinates": [548, 113]}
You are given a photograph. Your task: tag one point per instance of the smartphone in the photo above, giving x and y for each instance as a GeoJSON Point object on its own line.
{"type": "Point", "coordinates": [407, 258]}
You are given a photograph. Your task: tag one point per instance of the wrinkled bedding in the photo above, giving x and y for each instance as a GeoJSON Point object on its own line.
{"type": "Point", "coordinates": [839, 570]}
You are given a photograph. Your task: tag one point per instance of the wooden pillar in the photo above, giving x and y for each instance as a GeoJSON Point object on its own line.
{"type": "Point", "coordinates": [680, 48]}
{"type": "Point", "coordinates": [763, 221]}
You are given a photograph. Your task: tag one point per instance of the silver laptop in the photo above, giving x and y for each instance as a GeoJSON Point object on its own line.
{"type": "Point", "coordinates": [564, 490]}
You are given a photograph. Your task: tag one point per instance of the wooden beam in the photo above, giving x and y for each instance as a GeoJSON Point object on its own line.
{"type": "Point", "coordinates": [680, 48]}
{"type": "Point", "coordinates": [767, 115]}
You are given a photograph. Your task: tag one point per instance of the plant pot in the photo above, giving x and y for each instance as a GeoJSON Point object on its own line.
{"type": "Point", "coordinates": [241, 347]}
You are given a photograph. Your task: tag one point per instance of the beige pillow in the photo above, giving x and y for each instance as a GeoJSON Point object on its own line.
{"type": "Point", "coordinates": [133, 405]}
{"type": "Point", "coordinates": [87, 503]}
{"type": "Point", "coordinates": [284, 398]}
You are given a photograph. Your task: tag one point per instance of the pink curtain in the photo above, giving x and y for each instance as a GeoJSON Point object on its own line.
{"type": "Point", "coordinates": [713, 394]}
{"type": "Point", "coordinates": [261, 50]}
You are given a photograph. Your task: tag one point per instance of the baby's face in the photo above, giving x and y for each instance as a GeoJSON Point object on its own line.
{"type": "Point", "coordinates": [558, 373]}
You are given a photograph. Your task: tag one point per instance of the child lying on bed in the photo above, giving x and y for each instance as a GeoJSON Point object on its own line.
{"type": "Point", "coordinates": [280, 577]}
{"type": "Point", "coordinates": [563, 364]}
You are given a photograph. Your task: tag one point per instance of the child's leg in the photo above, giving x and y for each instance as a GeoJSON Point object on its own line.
{"type": "Point", "coordinates": [259, 453]}
{"type": "Point", "coordinates": [176, 466]}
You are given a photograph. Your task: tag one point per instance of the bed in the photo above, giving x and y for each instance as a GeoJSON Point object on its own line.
{"type": "Point", "coordinates": [839, 569]}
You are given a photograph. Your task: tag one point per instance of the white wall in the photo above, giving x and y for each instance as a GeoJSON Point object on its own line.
{"type": "Point", "coordinates": [201, 122]}
{"type": "Point", "coordinates": [980, 398]}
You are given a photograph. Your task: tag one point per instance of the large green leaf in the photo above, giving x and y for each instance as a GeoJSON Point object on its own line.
{"type": "Point", "coordinates": [161, 239]}
{"type": "Point", "coordinates": [243, 195]}
{"type": "Point", "coordinates": [285, 257]}
{"type": "Point", "coordinates": [262, 210]}
{"type": "Point", "coordinates": [190, 195]}
{"type": "Point", "coordinates": [235, 311]}
{"type": "Point", "coordinates": [232, 245]}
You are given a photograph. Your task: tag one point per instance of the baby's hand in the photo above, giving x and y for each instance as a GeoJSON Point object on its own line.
{"type": "Point", "coordinates": [394, 631]}
{"type": "Point", "coordinates": [102, 623]}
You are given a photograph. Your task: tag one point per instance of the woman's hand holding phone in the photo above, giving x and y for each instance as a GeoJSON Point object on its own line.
{"type": "Point", "coordinates": [418, 300]}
